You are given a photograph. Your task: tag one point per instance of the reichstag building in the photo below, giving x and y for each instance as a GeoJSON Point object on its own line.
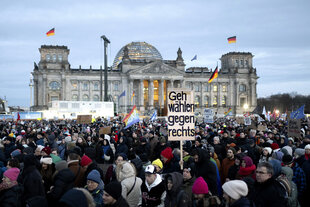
{"type": "Point", "coordinates": [139, 68]}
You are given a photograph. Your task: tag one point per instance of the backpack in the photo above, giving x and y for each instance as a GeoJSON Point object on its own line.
{"type": "Point", "coordinates": [285, 183]}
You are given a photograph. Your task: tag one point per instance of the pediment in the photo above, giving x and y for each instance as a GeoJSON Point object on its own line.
{"type": "Point", "coordinates": [157, 67]}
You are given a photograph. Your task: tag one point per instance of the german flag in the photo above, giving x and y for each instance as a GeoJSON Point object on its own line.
{"type": "Point", "coordinates": [51, 32]}
{"type": "Point", "coordinates": [232, 39]}
{"type": "Point", "coordinates": [214, 75]}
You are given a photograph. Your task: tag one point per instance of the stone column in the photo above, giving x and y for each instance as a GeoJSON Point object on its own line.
{"type": "Point", "coordinates": [201, 95]}
{"type": "Point", "coordinates": [151, 94]}
{"type": "Point", "coordinates": [219, 94]}
{"type": "Point", "coordinates": [35, 92]}
{"type": "Point", "coordinates": [80, 90]}
{"type": "Point", "coordinates": [141, 95]}
{"type": "Point", "coordinates": [161, 93]}
{"type": "Point", "coordinates": [44, 91]}
{"type": "Point", "coordinates": [130, 94]}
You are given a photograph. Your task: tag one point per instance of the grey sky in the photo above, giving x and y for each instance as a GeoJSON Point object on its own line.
{"type": "Point", "coordinates": [276, 32]}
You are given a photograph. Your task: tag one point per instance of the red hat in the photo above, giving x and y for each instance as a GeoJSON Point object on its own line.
{"type": "Point", "coordinates": [47, 150]}
{"type": "Point", "coordinates": [12, 173]}
{"type": "Point", "coordinates": [85, 161]}
{"type": "Point", "coordinates": [200, 186]}
{"type": "Point", "coordinates": [167, 153]}
{"type": "Point", "coordinates": [274, 146]}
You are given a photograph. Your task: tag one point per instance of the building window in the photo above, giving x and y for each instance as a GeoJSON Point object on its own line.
{"type": "Point", "coordinates": [224, 88]}
{"type": "Point", "coordinates": [74, 97]}
{"type": "Point", "coordinates": [96, 98]}
{"type": "Point", "coordinates": [224, 99]}
{"type": "Point", "coordinates": [197, 87]}
{"type": "Point", "coordinates": [197, 101]}
{"type": "Point", "coordinates": [96, 86]}
{"type": "Point", "coordinates": [54, 58]}
{"type": "Point", "coordinates": [85, 86]}
{"type": "Point", "coordinates": [206, 87]}
{"type": "Point", "coordinates": [115, 86]}
{"type": "Point", "coordinates": [54, 85]}
{"type": "Point", "coordinates": [60, 58]}
{"type": "Point", "coordinates": [48, 57]}
{"type": "Point", "coordinates": [246, 63]}
{"type": "Point", "coordinates": [74, 86]}
{"type": "Point", "coordinates": [237, 63]}
{"type": "Point", "coordinates": [85, 97]}
{"type": "Point", "coordinates": [188, 85]}
{"type": "Point", "coordinates": [206, 101]}
{"type": "Point", "coordinates": [242, 102]}
{"type": "Point", "coordinates": [241, 63]}
{"type": "Point", "coordinates": [242, 88]}
{"type": "Point", "coordinates": [214, 101]}
{"type": "Point", "coordinates": [214, 88]}
{"type": "Point", "coordinates": [54, 98]}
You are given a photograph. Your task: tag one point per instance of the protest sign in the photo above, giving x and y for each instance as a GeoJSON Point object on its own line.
{"type": "Point", "coordinates": [84, 119]}
{"type": "Point", "coordinates": [247, 121]}
{"type": "Point", "coordinates": [104, 130]}
{"type": "Point", "coordinates": [294, 128]}
{"type": "Point", "coordinates": [240, 120]}
{"type": "Point", "coordinates": [208, 115]}
{"type": "Point", "coordinates": [181, 118]}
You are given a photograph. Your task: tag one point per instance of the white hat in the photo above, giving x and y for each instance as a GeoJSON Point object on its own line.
{"type": "Point", "coordinates": [268, 149]}
{"type": "Point", "coordinates": [150, 169]}
{"type": "Point", "coordinates": [307, 146]}
{"type": "Point", "coordinates": [46, 160]}
{"type": "Point", "coordinates": [235, 189]}
{"type": "Point", "coordinates": [40, 147]}
{"type": "Point", "coordinates": [289, 150]}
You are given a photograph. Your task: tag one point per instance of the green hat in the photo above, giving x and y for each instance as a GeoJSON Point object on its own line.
{"type": "Point", "coordinates": [55, 158]}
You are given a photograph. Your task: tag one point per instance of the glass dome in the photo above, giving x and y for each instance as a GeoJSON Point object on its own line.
{"type": "Point", "coordinates": [138, 51]}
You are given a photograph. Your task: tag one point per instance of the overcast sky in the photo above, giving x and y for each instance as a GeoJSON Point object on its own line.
{"type": "Point", "coordinates": [276, 32]}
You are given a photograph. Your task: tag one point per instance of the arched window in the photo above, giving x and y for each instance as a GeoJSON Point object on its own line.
{"type": "Point", "coordinates": [224, 88]}
{"type": "Point", "coordinates": [85, 97]}
{"type": "Point", "coordinates": [54, 85]}
{"type": "Point", "coordinates": [214, 88]}
{"type": "Point", "coordinates": [206, 101]}
{"type": "Point", "coordinates": [197, 101]}
{"type": "Point", "coordinates": [242, 88]}
{"type": "Point", "coordinates": [214, 101]}
{"type": "Point", "coordinates": [96, 98]}
{"type": "Point", "coordinates": [74, 97]}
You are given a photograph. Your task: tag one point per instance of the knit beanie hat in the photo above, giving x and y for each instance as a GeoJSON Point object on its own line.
{"type": "Point", "coordinates": [307, 146]}
{"type": "Point", "coordinates": [94, 175]}
{"type": "Point", "coordinates": [114, 189]}
{"type": "Point", "coordinates": [167, 153]}
{"type": "Point", "coordinates": [287, 159]}
{"type": "Point", "coordinates": [61, 165]}
{"type": "Point", "coordinates": [277, 155]}
{"type": "Point", "coordinates": [12, 173]}
{"type": "Point", "coordinates": [55, 158]}
{"type": "Point", "coordinates": [47, 150]}
{"type": "Point", "coordinates": [299, 152]}
{"type": "Point", "coordinates": [200, 186]}
{"type": "Point", "coordinates": [235, 189]}
{"type": "Point", "coordinates": [190, 166]}
{"type": "Point", "coordinates": [274, 146]}
{"type": "Point", "coordinates": [268, 149]}
{"type": "Point", "coordinates": [158, 163]}
{"type": "Point", "coordinates": [287, 150]}
{"type": "Point", "coordinates": [248, 161]}
{"type": "Point", "coordinates": [15, 153]}
{"type": "Point", "coordinates": [85, 160]}
{"type": "Point", "coordinates": [46, 160]}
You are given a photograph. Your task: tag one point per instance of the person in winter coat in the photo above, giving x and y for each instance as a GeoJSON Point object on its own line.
{"type": "Point", "coordinates": [79, 172]}
{"type": "Point", "coordinates": [88, 165]}
{"type": "Point", "coordinates": [247, 168]}
{"type": "Point", "coordinates": [293, 194]}
{"type": "Point", "coordinates": [188, 179]}
{"type": "Point", "coordinates": [112, 196]}
{"type": "Point", "coordinates": [175, 195]}
{"type": "Point", "coordinates": [267, 191]}
{"type": "Point", "coordinates": [235, 192]}
{"type": "Point", "coordinates": [202, 196]}
{"type": "Point", "coordinates": [131, 184]}
{"type": "Point", "coordinates": [62, 182]}
{"type": "Point", "coordinates": [10, 192]}
{"type": "Point", "coordinates": [47, 171]}
{"type": "Point", "coordinates": [121, 146]}
{"type": "Point", "coordinates": [31, 179]}
{"type": "Point", "coordinates": [170, 162]}
{"type": "Point", "coordinates": [95, 187]}
{"type": "Point", "coordinates": [227, 163]}
{"type": "Point", "coordinates": [153, 189]}
{"type": "Point", "coordinates": [205, 168]}
{"type": "Point", "coordinates": [233, 170]}
{"type": "Point", "coordinates": [266, 154]}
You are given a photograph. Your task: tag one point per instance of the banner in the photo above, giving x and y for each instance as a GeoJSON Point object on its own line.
{"type": "Point", "coordinates": [208, 115]}
{"type": "Point", "coordinates": [181, 118]}
{"type": "Point", "coordinates": [84, 119]}
{"type": "Point", "coordinates": [294, 127]}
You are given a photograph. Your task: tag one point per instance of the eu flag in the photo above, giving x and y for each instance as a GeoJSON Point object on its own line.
{"type": "Point", "coordinates": [194, 58]}
{"type": "Point", "coordinates": [122, 94]}
{"type": "Point", "coordinates": [298, 114]}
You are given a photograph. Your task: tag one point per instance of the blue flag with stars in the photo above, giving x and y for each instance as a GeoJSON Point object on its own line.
{"type": "Point", "coordinates": [298, 114]}
{"type": "Point", "coordinates": [194, 58]}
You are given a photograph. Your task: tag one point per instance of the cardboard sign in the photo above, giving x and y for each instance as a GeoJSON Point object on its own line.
{"type": "Point", "coordinates": [104, 130]}
{"type": "Point", "coordinates": [208, 115]}
{"type": "Point", "coordinates": [247, 121]}
{"type": "Point", "coordinates": [294, 126]}
{"type": "Point", "coordinates": [181, 117]}
{"type": "Point", "coordinates": [240, 120]}
{"type": "Point", "coordinates": [261, 128]}
{"type": "Point", "coordinates": [84, 119]}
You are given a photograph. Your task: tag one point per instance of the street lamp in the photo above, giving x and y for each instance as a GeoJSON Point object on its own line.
{"type": "Point", "coordinates": [245, 106]}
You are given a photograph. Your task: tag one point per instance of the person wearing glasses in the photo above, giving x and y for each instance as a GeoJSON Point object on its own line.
{"type": "Point", "coordinates": [267, 191]}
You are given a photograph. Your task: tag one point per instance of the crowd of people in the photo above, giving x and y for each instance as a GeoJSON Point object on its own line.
{"type": "Point", "coordinates": [62, 163]}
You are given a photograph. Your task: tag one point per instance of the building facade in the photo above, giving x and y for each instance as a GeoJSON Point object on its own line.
{"type": "Point", "coordinates": [139, 69]}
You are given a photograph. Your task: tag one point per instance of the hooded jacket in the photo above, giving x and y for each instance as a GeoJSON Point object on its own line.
{"type": "Point", "coordinates": [154, 194]}
{"type": "Point", "coordinates": [126, 175]}
{"type": "Point", "coordinates": [176, 196]}
{"type": "Point", "coordinates": [293, 198]}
